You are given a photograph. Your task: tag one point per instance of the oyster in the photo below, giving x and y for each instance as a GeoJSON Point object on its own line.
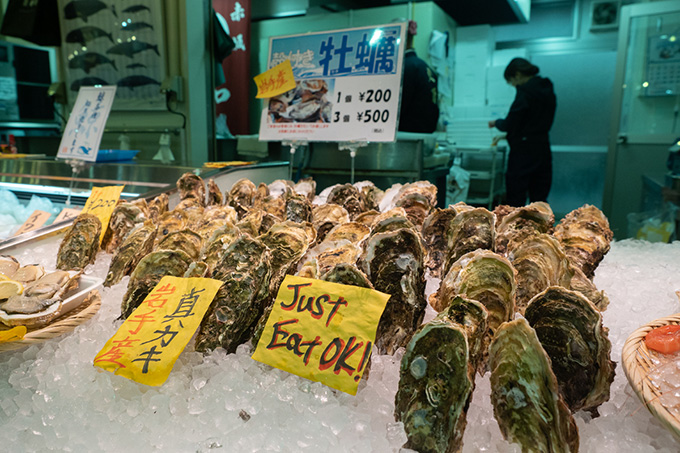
{"type": "Point", "coordinates": [346, 253]}
{"type": "Point", "coordinates": [570, 329]}
{"type": "Point", "coordinates": [348, 197]}
{"type": "Point", "coordinates": [8, 265]}
{"type": "Point", "coordinates": [298, 208]}
{"type": "Point", "coordinates": [40, 301]}
{"type": "Point", "coordinates": [417, 206]}
{"type": "Point", "coordinates": [524, 393]}
{"type": "Point", "coordinates": [372, 195]}
{"type": "Point", "coordinates": [215, 197]}
{"type": "Point", "coordinates": [585, 235]}
{"type": "Point", "coordinates": [170, 222]}
{"type": "Point", "coordinates": [306, 187]}
{"type": "Point", "coordinates": [136, 245]}
{"type": "Point", "coordinates": [213, 250]}
{"type": "Point", "coordinates": [435, 232]}
{"type": "Point", "coordinates": [392, 223]}
{"type": "Point", "coordinates": [472, 317]}
{"type": "Point", "coordinates": [28, 273]}
{"type": "Point", "coordinates": [197, 269]}
{"type": "Point", "coordinates": [471, 229]}
{"type": "Point", "coordinates": [241, 196]}
{"type": "Point", "coordinates": [150, 270]}
{"type": "Point", "coordinates": [158, 206]}
{"type": "Point", "coordinates": [124, 218]}
{"type": "Point", "coordinates": [521, 223]}
{"type": "Point", "coordinates": [351, 231]}
{"type": "Point", "coordinates": [367, 218]}
{"type": "Point", "coordinates": [582, 284]}
{"type": "Point", "coordinates": [214, 218]}
{"type": "Point", "coordinates": [275, 206]}
{"type": "Point", "coordinates": [347, 274]}
{"type": "Point", "coordinates": [239, 303]}
{"type": "Point", "coordinates": [80, 244]}
{"type": "Point", "coordinates": [435, 387]}
{"type": "Point", "coordinates": [185, 240]}
{"type": "Point", "coordinates": [393, 262]}
{"type": "Point", "coordinates": [424, 188]}
{"type": "Point", "coordinates": [288, 242]}
{"type": "Point", "coordinates": [540, 262]}
{"type": "Point", "coordinates": [326, 216]}
{"type": "Point", "coordinates": [193, 210]}
{"type": "Point", "coordinates": [251, 222]}
{"type": "Point", "coordinates": [191, 185]}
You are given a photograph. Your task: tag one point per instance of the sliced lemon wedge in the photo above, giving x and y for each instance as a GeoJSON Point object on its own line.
{"type": "Point", "coordinates": [3, 277]}
{"type": "Point", "coordinates": [9, 288]}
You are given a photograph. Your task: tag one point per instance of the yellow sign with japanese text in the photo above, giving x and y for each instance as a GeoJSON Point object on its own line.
{"type": "Point", "coordinates": [322, 331]}
{"type": "Point", "coordinates": [34, 221]}
{"type": "Point", "coordinates": [67, 214]}
{"type": "Point", "coordinates": [275, 81]}
{"type": "Point", "coordinates": [101, 203]}
{"type": "Point", "coordinates": [146, 346]}
{"type": "Point", "coordinates": [13, 334]}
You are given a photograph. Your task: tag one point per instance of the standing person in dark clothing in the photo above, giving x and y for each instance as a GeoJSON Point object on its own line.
{"type": "Point", "coordinates": [419, 110]}
{"type": "Point", "coordinates": [527, 125]}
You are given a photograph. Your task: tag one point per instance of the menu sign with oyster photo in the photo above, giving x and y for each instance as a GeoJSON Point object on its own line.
{"type": "Point", "coordinates": [347, 85]}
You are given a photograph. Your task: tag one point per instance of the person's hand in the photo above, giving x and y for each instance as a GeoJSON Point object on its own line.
{"type": "Point", "coordinates": [492, 123]}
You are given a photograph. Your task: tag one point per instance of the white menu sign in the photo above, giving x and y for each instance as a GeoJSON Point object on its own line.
{"type": "Point", "coordinates": [85, 126]}
{"type": "Point", "coordinates": [347, 85]}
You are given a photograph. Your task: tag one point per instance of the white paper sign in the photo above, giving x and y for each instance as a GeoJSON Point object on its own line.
{"type": "Point", "coordinates": [86, 124]}
{"type": "Point", "coordinates": [348, 85]}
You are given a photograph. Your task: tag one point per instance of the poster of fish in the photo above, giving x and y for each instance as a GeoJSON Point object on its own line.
{"type": "Point", "coordinates": [115, 42]}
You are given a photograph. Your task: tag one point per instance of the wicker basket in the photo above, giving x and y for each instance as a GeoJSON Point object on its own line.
{"type": "Point", "coordinates": [60, 326]}
{"type": "Point", "coordinates": [637, 363]}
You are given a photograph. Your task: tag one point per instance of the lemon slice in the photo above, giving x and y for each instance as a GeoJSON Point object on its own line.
{"type": "Point", "coordinates": [3, 277]}
{"type": "Point", "coordinates": [9, 288]}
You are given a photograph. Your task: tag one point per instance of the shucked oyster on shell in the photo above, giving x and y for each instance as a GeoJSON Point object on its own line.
{"type": "Point", "coordinates": [436, 383]}
{"type": "Point", "coordinates": [471, 229]}
{"type": "Point", "coordinates": [524, 393]}
{"type": "Point", "coordinates": [393, 262]}
{"type": "Point", "coordinates": [570, 329]}
{"type": "Point", "coordinates": [80, 244]}
{"type": "Point", "coordinates": [585, 235]}
{"type": "Point", "coordinates": [239, 303]}
{"type": "Point", "coordinates": [540, 262]}
{"type": "Point", "coordinates": [521, 223]}
{"type": "Point", "coordinates": [435, 231]}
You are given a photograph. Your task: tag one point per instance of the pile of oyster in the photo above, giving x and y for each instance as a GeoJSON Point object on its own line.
{"type": "Point", "coordinates": [493, 267]}
{"type": "Point", "coordinates": [36, 296]}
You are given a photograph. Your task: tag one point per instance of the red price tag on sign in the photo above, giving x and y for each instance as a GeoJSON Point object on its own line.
{"type": "Point", "coordinates": [322, 331]}
{"type": "Point", "coordinates": [275, 81]}
{"type": "Point", "coordinates": [101, 203]}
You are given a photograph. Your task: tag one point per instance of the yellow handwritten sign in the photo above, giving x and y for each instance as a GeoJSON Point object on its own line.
{"type": "Point", "coordinates": [275, 81]}
{"type": "Point", "coordinates": [146, 346]}
{"type": "Point", "coordinates": [34, 221]}
{"type": "Point", "coordinates": [67, 214]}
{"type": "Point", "coordinates": [101, 203]}
{"type": "Point", "coordinates": [322, 331]}
{"type": "Point", "coordinates": [13, 334]}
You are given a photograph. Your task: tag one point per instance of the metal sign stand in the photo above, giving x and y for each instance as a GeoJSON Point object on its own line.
{"type": "Point", "coordinates": [294, 145]}
{"type": "Point", "coordinates": [352, 147]}
{"type": "Point", "coordinates": [77, 166]}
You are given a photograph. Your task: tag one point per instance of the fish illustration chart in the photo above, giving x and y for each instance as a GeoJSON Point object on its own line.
{"type": "Point", "coordinates": [115, 42]}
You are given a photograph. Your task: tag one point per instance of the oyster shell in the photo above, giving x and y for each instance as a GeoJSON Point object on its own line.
{"type": "Point", "coordinates": [347, 274]}
{"type": "Point", "coordinates": [124, 218]}
{"type": "Point", "coordinates": [435, 232]}
{"type": "Point", "coordinates": [136, 245]}
{"type": "Point", "coordinates": [473, 318]}
{"type": "Point", "coordinates": [197, 269]}
{"type": "Point", "coordinates": [367, 218]}
{"type": "Point", "coordinates": [521, 223]}
{"type": "Point", "coordinates": [275, 206]}
{"type": "Point", "coordinates": [325, 217]}
{"type": "Point", "coordinates": [349, 197]}
{"type": "Point", "coordinates": [435, 387]}
{"type": "Point", "coordinates": [346, 253]}
{"type": "Point", "coordinates": [214, 249]}
{"type": "Point", "coordinates": [524, 393]}
{"type": "Point", "coordinates": [215, 197]}
{"type": "Point", "coordinates": [170, 222]}
{"type": "Point", "coordinates": [80, 244]}
{"type": "Point", "coordinates": [150, 270]}
{"type": "Point", "coordinates": [372, 194]}
{"type": "Point", "coordinates": [288, 242]}
{"type": "Point", "coordinates": [298, 208]}
{"type": "Point", "coordinates": [191, 185]}
{"type": "Point", "coordinates": [471, 229]}
{"type": "Point", "coordinates": [540, 262]}
{"type": "Point", "coordinates": [417, 206]}
{"type": "Point", "coordinates": [582, 284]}
{"type": "Point", "coordinates": [351, 231]}
{"type": "Point", "coordinates": [239, 303]}
{"type": "Point", "coordinates": [392, 223]}
{"type": "Point", "coordinates": [585, 235]}
{"type": "Point", "coordinates": [393, 262]}
{"type": "Point", "coordinates": [193, 210]}
{"type": "Point", "coordinates": [424, 188]}
{"type": "Point", "coordinates": [185, 240]}
{"type": "Point", "coordinates": [241, 196]}
{"type": "Point", "coordinates": [570, 329]}
{"type": "Point", "coordinates": [306, 187]}
{"type": "Point", "coordinates": [158, 206]}
{"type": "Point", "coordinates": [251, 222]}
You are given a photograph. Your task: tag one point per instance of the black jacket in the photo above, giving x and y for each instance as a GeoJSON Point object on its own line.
{"type": "Point", "coordinates": [419, 111]}
{"type": "Point", "coordinates": [531, 114]}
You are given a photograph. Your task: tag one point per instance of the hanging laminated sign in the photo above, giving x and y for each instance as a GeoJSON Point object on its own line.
{"type": "Point", "coordinates": [147, 344]}
{"type": "Point", "coordinates": [322, 331]}
{"type": "Point", "coordinates": [347, 85]}
{"type": "Point", "coordinates": [85, 126]}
